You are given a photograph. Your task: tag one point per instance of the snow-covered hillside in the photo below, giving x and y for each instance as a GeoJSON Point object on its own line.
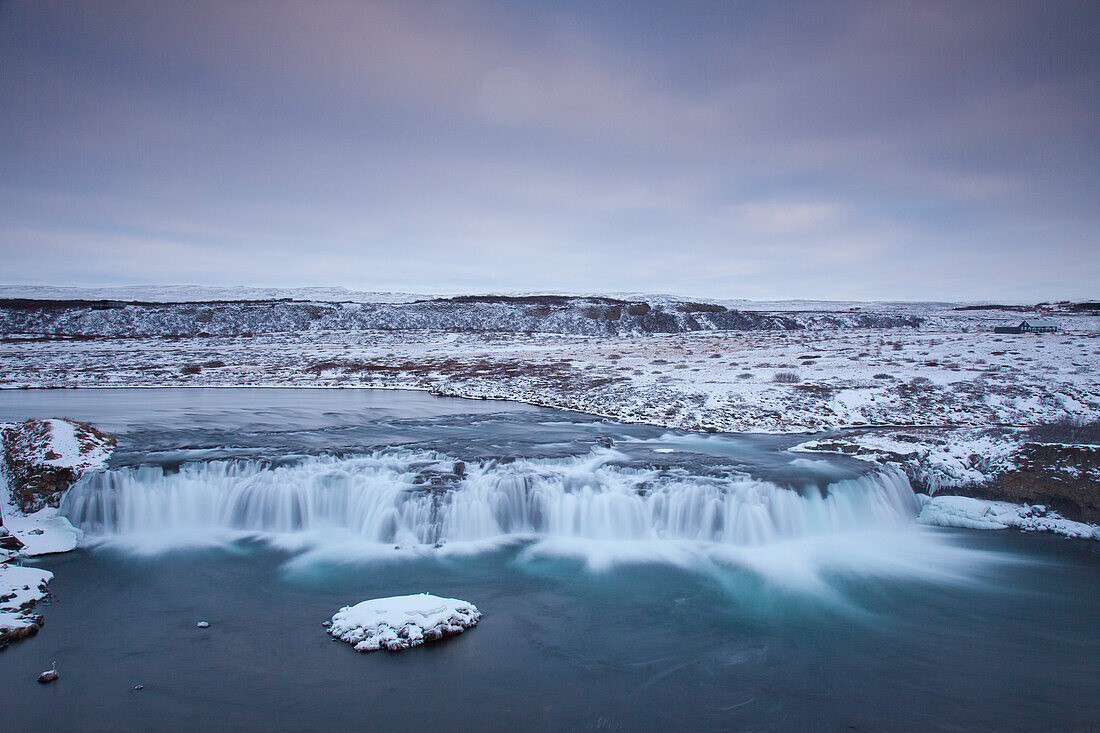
{"type": "Point", "coordinates": [589, 316]}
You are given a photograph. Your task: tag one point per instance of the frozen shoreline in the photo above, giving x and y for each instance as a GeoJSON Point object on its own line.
{"type": "Point", "coordinates": [63, 449]}
{"type": "Point", "coordinates": [969, 513]}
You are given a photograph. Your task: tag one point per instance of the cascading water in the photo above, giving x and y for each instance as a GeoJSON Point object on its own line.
{"type": "Point", "coordinates": [420, 498]}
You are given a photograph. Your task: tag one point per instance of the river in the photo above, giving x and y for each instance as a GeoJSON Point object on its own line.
{"type": "Point", "coordinates": [630, 578]}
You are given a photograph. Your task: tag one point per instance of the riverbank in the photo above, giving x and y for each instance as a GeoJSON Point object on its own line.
{"type": "Point", "coordinates": [39, 461]}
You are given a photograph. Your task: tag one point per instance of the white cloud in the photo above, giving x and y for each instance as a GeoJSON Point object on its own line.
{"type": "Point", "coordinates": [785, 217]}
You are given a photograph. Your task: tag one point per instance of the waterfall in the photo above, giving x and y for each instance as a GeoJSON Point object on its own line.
{"type": "Point", "coordinates": [417, 497]}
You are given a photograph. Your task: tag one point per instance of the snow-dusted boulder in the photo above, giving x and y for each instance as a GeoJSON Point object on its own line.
{"type": "Point", "coordinates": [401, 622]}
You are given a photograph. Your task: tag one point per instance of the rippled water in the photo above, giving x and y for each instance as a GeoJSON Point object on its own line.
{"type": "Point", "coordinates": [631, 578]}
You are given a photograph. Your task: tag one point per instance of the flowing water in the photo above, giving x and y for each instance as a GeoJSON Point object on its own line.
{"type": "Point", "coordinates": [631, 578]}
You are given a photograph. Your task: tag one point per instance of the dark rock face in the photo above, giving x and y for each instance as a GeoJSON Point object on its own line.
{"type": "Point", "coordinates": [35, 484]}
{"type": "Point", "coordinates": [1065, 477]}
{"type": "Point", "coordinates": [590, 316]}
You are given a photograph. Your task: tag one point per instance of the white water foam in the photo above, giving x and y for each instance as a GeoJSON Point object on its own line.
{"type": "Point", "coordinates": [403, 505]}
{"type": "Point", "coordinates": [409, 498]}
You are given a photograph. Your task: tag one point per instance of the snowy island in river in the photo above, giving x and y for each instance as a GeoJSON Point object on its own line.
{"type": "Point", "coordinates": [402, 622]}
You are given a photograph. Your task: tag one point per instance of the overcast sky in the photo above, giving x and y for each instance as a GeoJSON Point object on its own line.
{"type": "Point", "coordinates": [872, 150]}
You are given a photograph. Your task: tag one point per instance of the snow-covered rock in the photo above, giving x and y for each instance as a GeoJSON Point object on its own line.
{"type": "Point", "coordinates": [42, 458]}
{"type": "Point", "coordinates": [963, 511]}
{"type": "Point", "coordinates": [20, 589]}
{"type": "Point", "coordinates": [936, 459]}
{"type": "Point", "coordinates": [999, 466]}
{"type": "Point", "coordinates": [401, 622]}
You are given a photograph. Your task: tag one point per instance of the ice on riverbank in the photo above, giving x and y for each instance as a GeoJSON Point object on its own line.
{"type": "Point", "coordinates": [401, 622]}
{"type": "Point", "coordinates": [42, 533]}
{"type": "Point", "coordinates": [20, 589]}
{"type": "Point", "coordinates": [962, 511]}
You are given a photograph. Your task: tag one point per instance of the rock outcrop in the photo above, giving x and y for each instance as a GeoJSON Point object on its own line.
{"type": "Point", "coordinates": [994, 465]}
{"type": "Point", "coordinates": [1065, 477]}
{"type": "Point", "coordinates": [577, 315]}
{"type": "Point", "coordinates": [43, 458]}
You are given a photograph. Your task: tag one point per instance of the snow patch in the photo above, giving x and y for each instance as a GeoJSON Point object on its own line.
{"type": "Point", "coordinates": [73, 452]}
{"type": "Point", "coordinates": [20, 589]}
{"type": "Point", "coordinates": [401, 622]}
{"type": "Point", "coordinates": [43, 533]}
{"type": "Point", "coordinates": [962, 511]}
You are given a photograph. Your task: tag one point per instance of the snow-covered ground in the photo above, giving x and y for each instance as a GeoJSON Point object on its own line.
{"type": "Point", "coordinates": [66, 449]}
{"type": "Point", "coordinates": [937, 460]}
{"type": "Point", "coordinates": [402, 621]}
{"type": "Point", "coordinates": [20, 589]}
{"type": "Point", "coordinates": [727, 381]}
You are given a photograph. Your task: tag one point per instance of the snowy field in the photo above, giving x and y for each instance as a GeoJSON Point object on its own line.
{"type": "Point", "coordinates": [953, 372]}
